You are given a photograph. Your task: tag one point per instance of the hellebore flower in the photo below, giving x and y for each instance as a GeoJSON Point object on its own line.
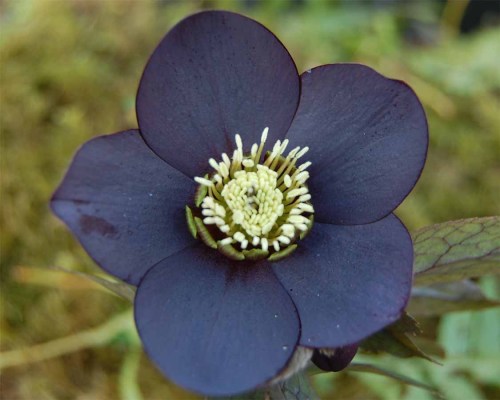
{"type": "Point", "coordinates": [218, 103]}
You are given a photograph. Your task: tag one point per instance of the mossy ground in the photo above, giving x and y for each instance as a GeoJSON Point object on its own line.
{"type": "Point", "coordinates": [69, 71]}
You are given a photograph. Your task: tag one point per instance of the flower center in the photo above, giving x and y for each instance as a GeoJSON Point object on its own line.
{"type": "Point", "coordinates": [254, 206]}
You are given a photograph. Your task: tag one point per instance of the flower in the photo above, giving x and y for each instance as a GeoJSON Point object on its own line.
{"type": "Point", "coordinates": [226, 318]}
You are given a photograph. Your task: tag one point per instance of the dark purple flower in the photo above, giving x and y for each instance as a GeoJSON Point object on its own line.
{"type": "Point", "coordinates": [227, 321]}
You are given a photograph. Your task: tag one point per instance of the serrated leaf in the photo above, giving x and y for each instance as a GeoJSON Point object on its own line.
{"type": "Point", "coordinates": [373, 369]}
{"type": "Point", "coordinates": [395, 340]}
{"type": "Point", "coordinates": [457, 250]}
{"type": "Point", "coordinates": [443, 298]}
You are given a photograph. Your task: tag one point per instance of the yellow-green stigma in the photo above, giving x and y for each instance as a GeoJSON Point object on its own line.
{"type": "Point", "coordinates": [255, 206]}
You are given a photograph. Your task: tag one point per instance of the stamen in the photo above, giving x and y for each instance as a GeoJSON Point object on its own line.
{"type": "Point", "coordinates": [248, 163]}
{"type": "Point", "coordinates": [257, 206]}
{"type": "Point", "coordinates": [225, 241]}
{"type": "Point", "coordinates": [288, 181]}
{"type": "Point", "coordinates": [304, 166]}
{"type": "Point", "coordinates": [214, 164]}
{"type": "Point", "coordinates": [263, 244]}
{"type": "Point", "coordinates": [203, 181]}
{"type": "Point", "coordinates": [226, 160]}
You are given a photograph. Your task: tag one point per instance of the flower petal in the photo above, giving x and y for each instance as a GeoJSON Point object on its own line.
{"type": "Point", "coordinates": [124, 204]}
{"type": "Point", "coordinates": [368, 141]}
{"type": "Point", "coordinates": [215, 74]}
{"type": "Point", "coordinates": [348, 282]}
{"type": "Point", "coordinates": [334, 360]}
{"type": "Point", "coordinates": [215, 326]}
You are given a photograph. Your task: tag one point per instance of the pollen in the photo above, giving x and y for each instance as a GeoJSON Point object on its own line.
{"type": "Point", "coordinates": [255, 205]}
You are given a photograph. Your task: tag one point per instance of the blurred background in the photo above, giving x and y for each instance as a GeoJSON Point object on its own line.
{"type": "Point", "coordinates": [69, 71]}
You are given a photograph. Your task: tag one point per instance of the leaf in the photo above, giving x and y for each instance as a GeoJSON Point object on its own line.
{"type": "Point", "coordinates": [119, 288]}
{"type": "Point", "coordinates": [430, 347]}
{"type": "Point", "coordinates": [395, 340]}
{"type": "Point", "coordinates": [257, 395]}
{"type": "Point", "coordinates": [406, 324]}
{"type": "Point", "coordinates": [443, 298]}
{"type": "Point", "coordinates": [297, 387]}
{"type": "Point", "coordinates": [373, 369]}
{"type": "Point", "coordinates": [457, 250]}
{"type": "Point", "coordinates": [128, 379]}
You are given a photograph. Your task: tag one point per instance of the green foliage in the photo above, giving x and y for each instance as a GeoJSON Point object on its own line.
{"type": "Point", "coordinates": [439, 299]}
{"type": "Point", "coordinates": [396, 339]}
{"type": "Point", "coordinates": [457, 250]}
{"type": "Point", "coordinates": [295, 388]}
{"type": "Point", "coordinates": [360, 367]}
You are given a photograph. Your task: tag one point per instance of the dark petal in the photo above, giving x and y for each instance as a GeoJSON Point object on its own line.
{"type": "Point", "coordinates": [340, 358]}
{"type": "Point", "coordinates": [348, 282]}
{"type": "Point", "coordinates": [215, 74]}
{"type": "Point", "coordinates": [215, 326]}
{"type": "Point", "coordinates": [368, 141]}
{"type": "Point", "coordinates": [124, 204]}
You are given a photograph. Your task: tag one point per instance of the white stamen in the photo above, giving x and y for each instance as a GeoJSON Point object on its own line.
{"type": "Point", "coordinates": [302, 177]}
{"type": "Point", "coordinates": [304, 198]}
{"type": "Point", "coordinates": [248, 199]}
{"type": "Point", "coordinates": [283, 239]}
{"type": "Point", "coordinates": [306, 207]}
{"type": "Point", "coordinates": [302, 152]}
{"type": "Point", "coordinates": [263, 244]}
{"type": "Point", "coordinates": [248, 163]}
{"type": "Point", "coordinates": [226, 160]}
{"type": "Point", "coordinates": [304, 166]}
{"type": "Point", "coordinates": [203, 181]}
{"type": "Point", "coordinates": [296, 192]}
{"type": "Point", "coordinates": [225, 241]}
{"type": "Point", "coordinates": [239, 237]}
{"type": "Point", "coordinates": [263, 138]}
{"type": "Point", "coordinates": [297, 219]}
{"type": "Point", "coordinates": [239, 142]}
{"type": "Point", "coordinates": [302, 227]}
{"type": "Point", "coordinates": [214, 164]}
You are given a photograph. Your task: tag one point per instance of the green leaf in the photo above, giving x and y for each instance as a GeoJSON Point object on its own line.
{"type": "Point", "coordinates": [395, 340]}
{"type": "Point", "coordinates": [119, 288]}
{"type": "Point", "coordinates": [128, 379]}
{"type": "Point", "coordinates": [443, 298]}
{"type": "Point", "coordinates": [457, 250]}
{"type": "Point", "coordinates": [373, 369]}
{"type": "Point", "coordinates": [257, 395]}
{"type": "Point", "coordinates": [297, 387]}
{"type": "Point", "coordinates": [406, 324]}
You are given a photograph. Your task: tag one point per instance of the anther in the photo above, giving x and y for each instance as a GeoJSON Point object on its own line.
{"type": "Point", "coordinates": [254, 203]}
{"type": "Point", "coordinates": [203, 181]}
